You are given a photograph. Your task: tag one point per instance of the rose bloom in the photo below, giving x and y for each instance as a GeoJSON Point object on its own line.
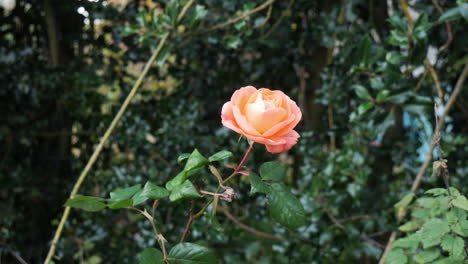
{"type": "Point", "coordinates": [263, 116]}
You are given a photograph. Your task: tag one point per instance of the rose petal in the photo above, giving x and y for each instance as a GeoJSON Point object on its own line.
{"type": "Point", "coordinates": [283, 128]}
{"type": "Point", "coordinates": [241, 96]}
{"type": "Point", "coordinates": [266, 141]}
{"type": "Point", "coordinates": [243, 123]}
{"type": "Point", "coordinates": [291, 140]}
{"type": "Point", "coordinates": [263, 120]}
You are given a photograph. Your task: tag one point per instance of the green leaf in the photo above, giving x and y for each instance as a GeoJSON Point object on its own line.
{"type": "Point", "coordinates": [364, 49]}
{"type": "Point", "coordinates": [405, 201]}
{"type": "Point", "coordinates": [450, 14]}
{"type": "Point", "coordinates": [153, 191]}
{"type": "Point", "coordinates": [461, 202]}
{"type": "Point", "coordinates": [151, 256]}
{"type": "Point", "coordinates": [427, 256]}
{"type": "Point", "coordinates": [411, 242]}
{"type": "Point", "coordinates": [195, 160]}
{"type": "Point", "coordinates": [190, 253]}
{"type": "Point", "coordinates": [223, 154]}
{"type": "Point", "coordinates": [178, 180]}
{"type": "Point", "coordinates": [362, 108]}
{"type": "Point", "coordinates": [121, 204]}
{"type": "Point", "coordinates": [437, 191]}
{"type": "Point", "coordinates": [183, 191]}
{"type": "Point", "coordinates": [257, 185]}
{"type": "Point", "coordinates": [284, 207]}
{"type": "Point", "coordinates": [410, 226]}
{"type": "Point", "coordinates": [463, 7]}
{"type": "Point", "coordinates": [124, 194]}
{"type": "Point", "coordinates": [393, 58]}
{"type": "Point", "coordinates": [272, 171]}
{"type": "Point", "coordinates": [453, 245]}
{"type": "Point", "coordinates": [182, 157]}
{"type": "Point", "coordinates": [138, 198]}
{"type": "Point", "coordinates": [382, 95]}
{"type": "Point", "coordinates": [87, 203]}
{"type": "Point", "coordinates": [361, 92]}
{"type": "Point", "coordinates": [396, 256]}
{"type": "Point", "coordinates": [432, 231]}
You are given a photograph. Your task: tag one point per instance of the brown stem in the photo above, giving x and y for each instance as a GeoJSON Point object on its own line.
{"type": "Point", "coordinates": [246, 227]}
{"type": "Point", "coordinates": [232, 21]}
{"type": "Point", "coordinates": [240, 164]}
{"type": "Point", "coordinates": [447, 25]}
{"type": "Point", "coordinates": [189, 222]}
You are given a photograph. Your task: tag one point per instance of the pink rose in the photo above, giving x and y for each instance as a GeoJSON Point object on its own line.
{"type": "Point", "coordinates": [263, 116]}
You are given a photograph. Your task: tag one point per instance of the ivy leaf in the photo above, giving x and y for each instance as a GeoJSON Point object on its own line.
{"type": "Point", "coordinates": [195, 160]}
{"type": "Point", "coordinates": [124, 194]}
{"type": "Point", "coordinates": [461, 202]}
{"type": "Point", "coordinates": [184, 190]}
{"type": "Point", "coordinates": [151, 256]}
{"type": "Point", "coordinates": [87, 203]}
{"type": "Point", "coordinates": [223, 154]}
{"type": "Point", "coordinates": [453, 245]}
{"type": "Point", "coordinates": [272, 171]}
{"type": "Point", "coordinates": [284, 207]}
{"type": "Point", "coordinates": [396, 257]}
{"type": "Point", "coordinates": [432, 231]}
{"type": "Point", "coordinates": [190, 253]}
{"type": "Point", "coordinates": [121, 204]}
{"type": "Point", "coordinates": [153, 191]}
{"type": "Point", "coordinates": [257, 185]}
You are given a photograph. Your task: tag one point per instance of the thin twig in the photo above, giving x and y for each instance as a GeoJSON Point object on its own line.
{"type": "Point", "coordinates": [107, 134]}
{"type": "Point", "coordinates": [352, 218]}
{"type": "Point", "coordinates": [447, 25]}
{"type": "Point", "coordinates": [189, 222]}
{"type": "Point", "coordinates": [280, 19]}
{"type": "Point", "coordinates": [420, 82]}
{"type": "Point", "coordinates": [427, 161]}
{"type": "Point", "coordinates": [246, 227]}
{"type": "Point", "coordinates": [440, 92]}
{"type": "Point", "coordinates": [327, 211]}
{"type": "Point", "coordinates": [232, 21]}
{"type": "Point", "coordinates": [14, 253]}
{"type": "Point", "coordinates": [270, 9]}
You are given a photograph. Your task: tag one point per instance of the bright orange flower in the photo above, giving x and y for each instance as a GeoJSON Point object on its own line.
{"type": "Point", "coordinates": [263, 116]}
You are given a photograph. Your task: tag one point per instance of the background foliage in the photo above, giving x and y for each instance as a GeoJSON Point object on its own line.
{"type": "Point", "coordinates": [358, 69]}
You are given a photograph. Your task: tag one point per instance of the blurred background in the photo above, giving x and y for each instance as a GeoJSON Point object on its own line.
{"type": "Point", "coordinates": [361, 73]}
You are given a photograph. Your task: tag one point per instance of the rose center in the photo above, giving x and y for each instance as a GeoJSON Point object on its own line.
{"type": "Point", "coordinates": [264, 112]}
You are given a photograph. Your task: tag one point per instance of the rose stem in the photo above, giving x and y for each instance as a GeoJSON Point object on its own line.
{"type": "Point", "coordinates": [241, 163]}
